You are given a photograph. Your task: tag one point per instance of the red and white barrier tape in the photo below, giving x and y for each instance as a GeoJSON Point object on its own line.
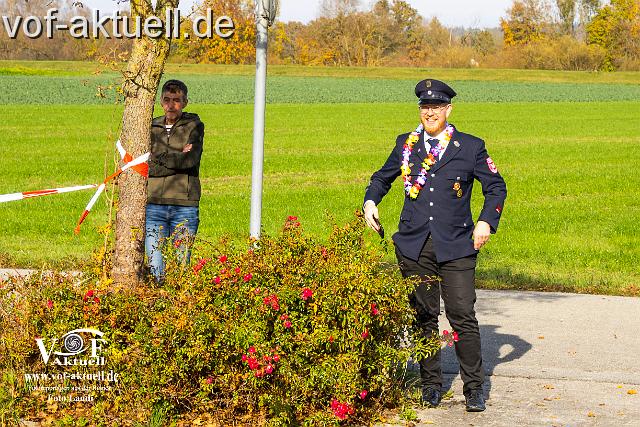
{"type": "Point", "coordinates": [29, 194]}
{"type": "Point", "coordinates": [139, 164]}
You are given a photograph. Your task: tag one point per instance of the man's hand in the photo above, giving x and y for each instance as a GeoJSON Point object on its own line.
{"type": "Point", "coordinates": [481, 234]}
{"type": "Point", "coordinates": [187, 148]}
{"type": "Point", "coordinates": [371, 215]}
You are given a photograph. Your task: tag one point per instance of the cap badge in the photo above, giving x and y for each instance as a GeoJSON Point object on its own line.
{"type": "Point", "coordinates": [456, 186]}
{"type": "Point", "coordinates": [429, 93]}
{"type": "Point", "coordinates": [427, 83]}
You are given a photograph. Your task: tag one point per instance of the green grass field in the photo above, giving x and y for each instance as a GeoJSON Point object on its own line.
{"type": "Point", "coordinates": [571, 166]}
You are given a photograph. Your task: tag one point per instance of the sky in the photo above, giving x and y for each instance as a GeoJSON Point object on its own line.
{"type": "Point", "coordinates": [452, 13]}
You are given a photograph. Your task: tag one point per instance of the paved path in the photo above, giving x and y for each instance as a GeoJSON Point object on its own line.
{"type": "Point", "coordinates": [552, 359]}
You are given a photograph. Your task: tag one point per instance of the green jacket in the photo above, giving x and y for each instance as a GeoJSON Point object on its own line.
{"type": "Point", "coordinates": [173, 175]}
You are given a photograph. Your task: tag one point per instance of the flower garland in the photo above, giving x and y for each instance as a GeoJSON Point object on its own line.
{"type": "Point", "coordinates": [412, 190]}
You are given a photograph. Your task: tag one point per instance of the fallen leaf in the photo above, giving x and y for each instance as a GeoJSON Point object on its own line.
{"type": "Point", "coordinates": [549, 387]}
{"type": "Point", "coordinates": [541, 337]}
{"type": "Point", "coordinates": [632, 391]}
{"type": "Point", "coordinates": [619, 386]}
{"type": "Point", "coordinates": [591, 414]}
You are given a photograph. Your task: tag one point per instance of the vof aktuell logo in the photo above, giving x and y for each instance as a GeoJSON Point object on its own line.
{"type": "Point", "coordinates": [71, 349]}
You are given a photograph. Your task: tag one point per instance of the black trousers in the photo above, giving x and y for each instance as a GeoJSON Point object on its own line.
{"type": "Point", "coordinates": [457, 285]}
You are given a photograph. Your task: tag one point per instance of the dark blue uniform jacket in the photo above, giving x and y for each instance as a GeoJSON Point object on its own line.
{"type": "Point", "coordinates": [438, 210]}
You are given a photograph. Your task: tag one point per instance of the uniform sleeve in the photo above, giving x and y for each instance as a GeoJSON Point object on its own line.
{"type": "Point", "coordinates": [494, 188]}
{"type": "Point", "coordinates": [381, 180]}
{"type": "Point", "coordinates": [188, 160]}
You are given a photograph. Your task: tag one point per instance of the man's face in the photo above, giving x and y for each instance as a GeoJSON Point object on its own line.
{"type": "Point", "coordinates": [434, 117]}
{"type": "Point", "coordinates": [172, 104]}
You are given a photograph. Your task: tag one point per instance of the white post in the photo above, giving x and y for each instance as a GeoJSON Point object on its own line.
{"type": "Point", "coordinates": [258, 117]}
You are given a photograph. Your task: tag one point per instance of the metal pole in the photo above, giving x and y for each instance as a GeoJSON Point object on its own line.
{"type": "Point", "coordinates": [258, 119]}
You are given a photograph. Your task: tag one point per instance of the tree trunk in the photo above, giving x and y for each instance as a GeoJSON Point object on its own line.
{"type": "Point", "coordinates": [141, 80]}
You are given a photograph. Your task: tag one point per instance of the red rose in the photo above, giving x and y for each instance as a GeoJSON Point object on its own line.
{"type": "Point", "coordinates": [455, 337]}
{"type": "Point", "coordinates": [307, 293]}
{"type": "Point", "coordinates": [253, 363]}
{"type": "Point", "coordinates": [223, 259]}
{"type": "Point", "coordinates": [374, 309]}
{"type": "Point", "coordinates": [209, 380]}
{"type": "Point", "coordinates": [287, 324]}
{"type": "Point", "coordinates": [363, 394]}
{"type": "Point", "coordinates": [49, 304]}
{"type": "Point", "coordinates": [247, 277]}
{"type": "Point", "coordinates": [217, 280]}
{"type": "Point", "coordinates": [365, 334]}
{"type": "Point", "coordinates": [252, 349]}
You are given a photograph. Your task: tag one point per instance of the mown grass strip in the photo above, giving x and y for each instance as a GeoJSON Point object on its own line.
{"type": "Point", "coordinates": [84, 68]}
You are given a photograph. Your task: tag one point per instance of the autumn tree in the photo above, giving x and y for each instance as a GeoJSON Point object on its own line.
{"type": "Point", "coordinates": [60, 47]}
{"type": "Point", "coordinates": [616, 28]}
{"type": "Point", "coordinates": [526, 21]}
{"type": "Point", "coordinates": [237, 49]}
{"type": "Point", "coordinates": [482, 41]}
{"type": "Point", "coordinates": [567, 10]}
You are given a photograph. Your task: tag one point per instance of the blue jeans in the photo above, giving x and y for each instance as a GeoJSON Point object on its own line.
{"type": "Point", "coordinates": [163, 221]}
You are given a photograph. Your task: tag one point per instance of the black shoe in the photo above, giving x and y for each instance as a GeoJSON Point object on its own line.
{"type": "Point", "coordinates": [431, 396]}
{"type": "Point", "coordinates": [475, 401]}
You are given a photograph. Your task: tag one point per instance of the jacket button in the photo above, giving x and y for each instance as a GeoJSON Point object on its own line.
{"type": "Point", "coordinates": [431, 189]}
{"type": "Point", "coordinates": [433, 175]}
{"type": "Point", "coordinates": [430, 203]}
{"type": "Point", "coordinates": [430, 218]}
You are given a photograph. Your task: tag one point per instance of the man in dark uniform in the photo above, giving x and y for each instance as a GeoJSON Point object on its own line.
{"type": "Point", "coordinates": [436, 236]}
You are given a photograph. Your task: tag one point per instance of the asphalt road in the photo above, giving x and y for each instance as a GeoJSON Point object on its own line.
{"type": "Point", "coordinates": [551, 359]}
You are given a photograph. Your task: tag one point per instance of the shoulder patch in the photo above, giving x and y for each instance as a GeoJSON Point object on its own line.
{"type": "Point", "coordinates": [492, 166]}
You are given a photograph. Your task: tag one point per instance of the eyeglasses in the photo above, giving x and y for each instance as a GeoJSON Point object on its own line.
{"type": "Point", "coordinates": [436, 109]}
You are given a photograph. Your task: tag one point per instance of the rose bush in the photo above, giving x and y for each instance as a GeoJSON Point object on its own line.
{"type": "Point", "coordinates": [286, 331]}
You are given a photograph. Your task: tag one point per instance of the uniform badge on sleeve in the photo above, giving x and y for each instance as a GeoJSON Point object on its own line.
{"type": "Point", "coordinates": [492, 166]}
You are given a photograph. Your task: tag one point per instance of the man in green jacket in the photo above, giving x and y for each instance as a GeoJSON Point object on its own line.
{"type": "Point", "coordinates": [173, 187]}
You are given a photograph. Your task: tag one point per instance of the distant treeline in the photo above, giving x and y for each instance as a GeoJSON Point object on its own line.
{"type": "Point", "coordinates": [543, 34]}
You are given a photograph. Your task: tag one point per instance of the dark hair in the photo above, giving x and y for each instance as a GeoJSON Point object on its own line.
{"type": "Point", "coordinates": [173, 86]}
